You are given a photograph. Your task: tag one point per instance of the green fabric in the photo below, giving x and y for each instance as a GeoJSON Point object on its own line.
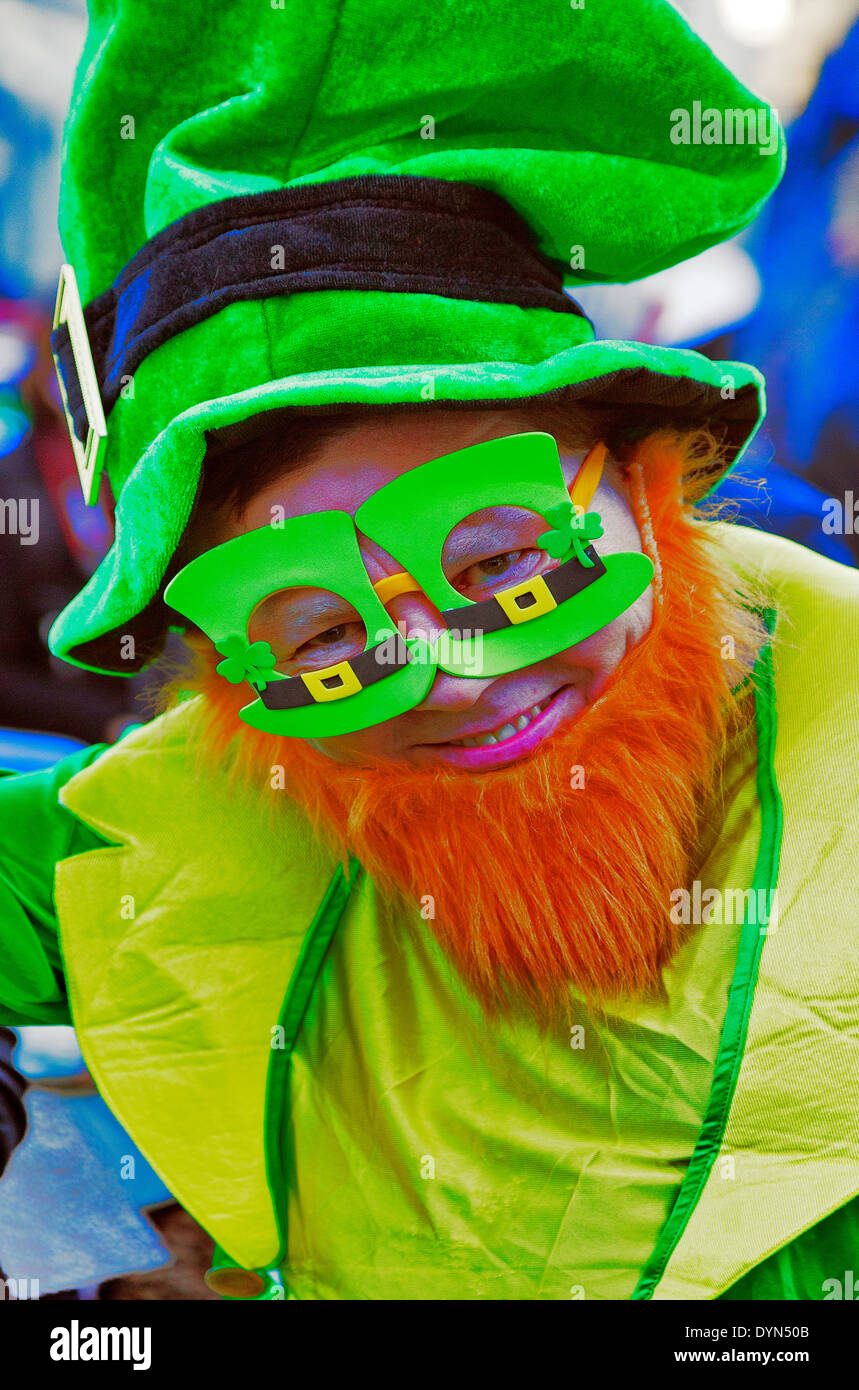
{"type": "Point", "coordinates": [261, 97]}
{"type": "Point", "coordinates": [781, 1152]}
{"type": "Point", "coordinates": [37, 833]}
{"type": "Point", "coordinates": [427, 1160]}
{"type": "Point", "coordinates": [178, 960]}
{"type": "Point", "coordinates": [751, 943]}
{"type": "Point", "coordinates": [819, 1266]}
{"type": "Point", "coordinates": [303, 982]}
{"type": "Point", "coordinates": [567, 113]}
{"type": "Point", "coordinates": [175, 1009]}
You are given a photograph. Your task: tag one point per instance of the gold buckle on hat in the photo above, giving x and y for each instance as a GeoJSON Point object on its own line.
{"type": "Point", "coordinates": [317, 682]}
{"type": "Point", "coordinates": [536, 590]}
{"type": "Point", "coordinates": [89, 457]}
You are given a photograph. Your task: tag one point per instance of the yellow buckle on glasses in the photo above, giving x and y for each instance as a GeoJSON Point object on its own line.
{"type": "Point", "coordinates": [88, 457]}
{"type": "Point", "coordinates": [539, 590]}
{"type": "Point", "coordinates": [349, 682]}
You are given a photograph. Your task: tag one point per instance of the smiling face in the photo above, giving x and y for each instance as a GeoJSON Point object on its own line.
{"type": "Point", "coordinates": [465, 722]}
{"type": "Point", "coordinates": [539, 879]}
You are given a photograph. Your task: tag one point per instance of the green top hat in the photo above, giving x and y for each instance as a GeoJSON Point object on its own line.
{"type": "Point", "coordinates": [371, 203]}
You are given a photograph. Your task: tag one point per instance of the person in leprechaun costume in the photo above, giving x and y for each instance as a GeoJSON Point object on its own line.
{"type": "Point", "coordinates": [475, 920]}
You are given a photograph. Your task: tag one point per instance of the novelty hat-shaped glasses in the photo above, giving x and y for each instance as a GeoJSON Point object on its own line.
{"type": "Point", "coordinates": [489, 535]}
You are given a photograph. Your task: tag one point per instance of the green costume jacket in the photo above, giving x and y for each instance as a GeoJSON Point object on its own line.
{"type": "Point", "coordinates": [303, 1068]}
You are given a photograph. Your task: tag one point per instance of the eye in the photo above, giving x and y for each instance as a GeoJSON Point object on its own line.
{"type": "Point", "coordinates": [332, 634]}
{"type": "Point", "coordinates": [342, 634]}
{"type": "Point", "coordinates": [507, 568]}
{"type": "Point", "coordinates": [494, 549]}
{"type": "Point", "coordinates": [308, 629]}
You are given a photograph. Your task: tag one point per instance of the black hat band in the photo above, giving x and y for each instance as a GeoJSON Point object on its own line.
{"type": "Point", "coordinates": [396, 233]}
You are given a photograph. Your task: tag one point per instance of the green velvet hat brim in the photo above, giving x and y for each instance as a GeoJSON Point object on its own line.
{"type": "Point", "coordinates": [247, 359]}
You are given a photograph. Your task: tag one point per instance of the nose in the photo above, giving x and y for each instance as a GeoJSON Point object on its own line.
{"type": "Point", "coordinates": [415, 615]}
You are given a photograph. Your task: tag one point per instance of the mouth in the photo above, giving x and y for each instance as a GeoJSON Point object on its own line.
{"type": "Point", "coordinates": [503, 733]}
{"type": "Point", "coordinates": [512, 738]}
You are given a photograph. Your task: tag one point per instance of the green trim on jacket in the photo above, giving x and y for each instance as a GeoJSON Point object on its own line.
{"type": "Point", "coordinates": [735, 1027]}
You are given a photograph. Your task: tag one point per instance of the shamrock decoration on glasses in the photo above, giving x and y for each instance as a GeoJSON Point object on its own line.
{"type": "Point", "coordinates": [571, 527]}
{"type": "Point", "coordinates": [251, 661]}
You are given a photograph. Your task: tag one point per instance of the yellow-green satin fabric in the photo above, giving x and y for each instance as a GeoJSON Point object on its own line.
{"type": "Point", "coordinates": [783, 1151]}
{"type": "Point", "coordinates": [180, 943]}
{"type": "Point", "coordinates": [434, 1156]}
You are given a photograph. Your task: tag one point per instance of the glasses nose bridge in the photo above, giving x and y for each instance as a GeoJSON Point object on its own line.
{"type": "Point", "coordinates": [399, 591]}
{"type": "Point", "coordinates": [409, 607]}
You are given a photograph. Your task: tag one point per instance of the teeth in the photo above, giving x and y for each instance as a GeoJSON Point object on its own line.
{"type": "Point", "coordinates": [506, 731]}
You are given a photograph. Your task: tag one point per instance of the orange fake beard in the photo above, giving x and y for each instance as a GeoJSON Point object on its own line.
{"type": "Point", "coordinates": [557, 871]}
